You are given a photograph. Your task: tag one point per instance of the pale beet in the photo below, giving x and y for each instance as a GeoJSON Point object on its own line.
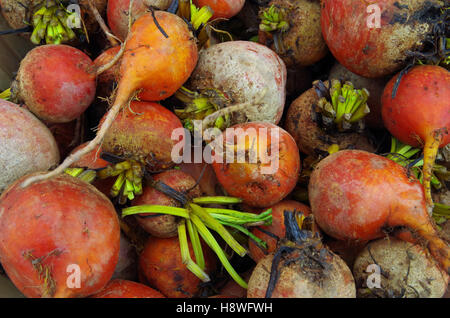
{"type": "Point", "coordinates": [27, 145]}
{"type": "Point", "coordinates": [245, 72]}
{"type": "Point", "coordinates": [406, 271]}
{"type": "Point", "coordinates": [301, 267]}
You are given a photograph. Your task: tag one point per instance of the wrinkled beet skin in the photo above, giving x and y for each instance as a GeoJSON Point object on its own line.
{"type": "Point", "coordinates": [120, 288]}
{"type": "Point", "coordinates": [309, 136]}
{"type": "Point", "coordinates": [165, 225]}
{"type": "Point", "coordinates": [57, 82]}
{"type": "Point", "coordinates": [222, 8]}
{"type": "Point", "coordinates": [144, 134]}
{"type": "Point", "coordinates": [277, 227]}
{"type": "Point", "coordinates": [245, 180]}
{"type": "Point", "coordinates": [303, 41]}
{"type": "Point", "coordinates": [64, 216]}
{"type": "Point", "coordinates": [336, 281]}
{"type": "Point", "coordinates": [421, 105]}
{"type": "Point", "coordinates": [160, 263]}
{"type": "Point", "coordinates": [355, 195]}
{"type": "Point", "coordinates": [374, 52]}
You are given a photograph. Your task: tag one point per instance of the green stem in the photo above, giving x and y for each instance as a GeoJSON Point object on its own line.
{"type": "Point", "coordinates": [244, 230]}
{"type": "Point", "coordinates": [196, 244]}
{"type": "Point", "coordinates": [217, 200]}
{"type": "Point", "coordinates": [185, 255]}
{"type": "Point", "coordinates": [159, 209]}
{"type": "Point", "coordinates": [212, 243]}
{"type": "Point", "coordinates": [216, 226]}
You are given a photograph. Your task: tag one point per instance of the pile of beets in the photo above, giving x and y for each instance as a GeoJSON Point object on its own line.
{"type": "Point", "coordinates": [227, 149]}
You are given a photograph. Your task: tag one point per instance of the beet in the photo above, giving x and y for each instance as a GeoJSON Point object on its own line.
{"type": "Point", "coordinates": [27, 145]}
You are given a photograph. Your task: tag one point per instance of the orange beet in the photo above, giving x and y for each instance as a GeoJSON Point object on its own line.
{"type": "Point", "coordinates": [277, 154]}
{"type": "Point", "coordinates": [120, 288]}
{"type": "Point", "coordinates": [51, 225]}
{"type": "Point", "coordinates": [419, 114]}
{"type": "Point", "coordinates": [161, 264]}
{"type": "Point", "coordinates": [157, 59]}
{"type": "Point", "coordinates": [357, 195]}
{"type": "Point", "coordinates": [143, 132]}
{"type": "Point", "coordinates": [91, 160]}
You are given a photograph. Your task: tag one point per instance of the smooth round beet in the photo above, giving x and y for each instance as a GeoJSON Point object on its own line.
{"type": "Point", "coordinates": [162, 266]}
{"type": "Point", "coordinates": [53, 230]}
{"type": "Point", "coordinates": [372, 38]}
{"type": "Point", "coordinates": [120, 288]}
{"type": "Point", "coordinates": [222, 8]}
{"type": "Point", "coordinates": [26, 146]}
{"type": "Point", "coordinates": [277, 228]}
{"type": "Point", "coordinates": [262, 166]}
{"type": "Point", "coordinates": [356, 195]}
{"type": "Point", "coordinates": [419, 114]}
{"type": "Point", "coordinates": [56, 82]}
{"type": "Point", "coordinates": [167, 63]}
{"type": "Point", "coordinates": [421, 105]}
{"type": "Point", "coordinates": [165, 225]}
{"type": "Point", "coordinates": [143, 132]}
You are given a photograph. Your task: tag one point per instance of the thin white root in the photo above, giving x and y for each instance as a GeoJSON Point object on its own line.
{"type": "Point", "coordinates": [111, 63]}
{"type": "Point", "coordinates": [80, 153]}
{"type": "Point", "coordinates": [210, 119]}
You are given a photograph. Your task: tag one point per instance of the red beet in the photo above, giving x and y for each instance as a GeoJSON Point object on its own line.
{"type": "Point", "coordinates": [356, 195]}
{"type": "Point", "coordinates": [56, 82]}
{"type": "Point", "coordinates": [54, 229]}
